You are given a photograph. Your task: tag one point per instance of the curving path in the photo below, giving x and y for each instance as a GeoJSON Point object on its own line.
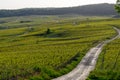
{"type": "Point", "coordinates": [87, 64]}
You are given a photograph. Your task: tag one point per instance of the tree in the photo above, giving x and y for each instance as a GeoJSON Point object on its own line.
{"type": "Point", "coordinates": [48, 31]}
{"type": "Point", "coordinates": [117, 6]}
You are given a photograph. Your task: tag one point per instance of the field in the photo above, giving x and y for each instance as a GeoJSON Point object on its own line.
{"type": "Point", "coordinates": [108, 65]}
{"type": "Point", "coordinates": [45, 47]}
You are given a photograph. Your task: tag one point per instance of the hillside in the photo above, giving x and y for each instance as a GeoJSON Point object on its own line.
{"type": "Point", "coordinates": [87, 10]}
{"type": "Point", "coordinates": [29, 52]}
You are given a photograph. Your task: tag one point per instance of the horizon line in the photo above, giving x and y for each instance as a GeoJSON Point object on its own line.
{"type": "Point", "coordinates": [53, 7]}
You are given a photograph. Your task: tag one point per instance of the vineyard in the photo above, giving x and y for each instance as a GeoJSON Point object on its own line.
{"type": "Point", "coordinates": [47, 47]}
{"type": "Point", "coordinates": [108, 64]}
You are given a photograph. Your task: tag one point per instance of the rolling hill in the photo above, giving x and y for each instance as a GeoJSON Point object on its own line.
{"type": "Point", "coordinates": [86, 10]}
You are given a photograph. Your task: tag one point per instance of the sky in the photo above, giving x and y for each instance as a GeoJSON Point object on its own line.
{"type": "Point", "coordinates": [17, 4]}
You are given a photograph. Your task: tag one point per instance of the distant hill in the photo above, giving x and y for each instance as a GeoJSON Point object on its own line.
{"type": "Point", "coordinates": [87, 10]}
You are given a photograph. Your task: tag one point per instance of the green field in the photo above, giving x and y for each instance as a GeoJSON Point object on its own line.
{"type": "Point", "coordinates": [29, 51]}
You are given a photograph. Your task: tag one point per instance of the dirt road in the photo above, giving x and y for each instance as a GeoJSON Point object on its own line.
{"type": "Point", "coordinates": [88, 62]}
